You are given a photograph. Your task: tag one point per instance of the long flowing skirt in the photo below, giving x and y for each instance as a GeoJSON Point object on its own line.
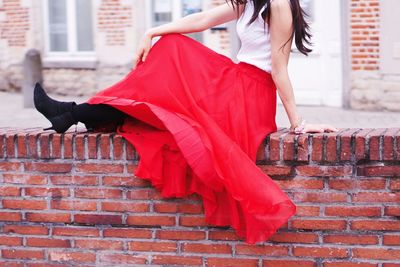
{"type": "Point", "coordinates": [197, 119]}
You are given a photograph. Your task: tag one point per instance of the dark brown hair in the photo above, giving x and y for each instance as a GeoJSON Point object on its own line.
{"type": "Point", "coordinates": [301, 28]}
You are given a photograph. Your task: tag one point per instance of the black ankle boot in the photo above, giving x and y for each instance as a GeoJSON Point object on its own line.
{"type": "Point", "coordinates": [47, 106]}
{"type": "Point", "coordinates": [61, 123]}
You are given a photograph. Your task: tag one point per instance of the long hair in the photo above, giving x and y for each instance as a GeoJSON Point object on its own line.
{"type": "Point", "coordinates": [301, 28]}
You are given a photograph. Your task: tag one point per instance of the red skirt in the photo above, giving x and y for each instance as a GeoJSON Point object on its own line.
{"type": "Point", "coordinates": [199, 120]}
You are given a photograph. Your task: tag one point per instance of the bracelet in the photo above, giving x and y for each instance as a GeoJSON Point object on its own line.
{"type": "Point", "coordinates": [299, 129]}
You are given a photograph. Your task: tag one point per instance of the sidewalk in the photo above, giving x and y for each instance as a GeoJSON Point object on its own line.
{"type": "Point", "coordinates": [14, 115]}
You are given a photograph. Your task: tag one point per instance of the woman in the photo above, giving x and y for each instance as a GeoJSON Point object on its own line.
{"type": "Point", "coordinates": [197, 118]}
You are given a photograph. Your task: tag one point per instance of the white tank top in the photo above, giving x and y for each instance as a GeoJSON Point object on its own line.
{"type": "Point", "coordinates": [255, 46]}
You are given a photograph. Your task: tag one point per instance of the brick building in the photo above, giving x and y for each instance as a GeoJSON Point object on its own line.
{"type": "Point", "coordinates": [88, 45]}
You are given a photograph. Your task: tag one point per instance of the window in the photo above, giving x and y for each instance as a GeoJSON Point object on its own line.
{"type": "Point", "coordinates": [164, 11]}
{"type": "Point", "coordinates": [69, 28]}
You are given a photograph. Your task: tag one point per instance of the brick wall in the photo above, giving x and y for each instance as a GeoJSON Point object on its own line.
{"type": "Point", "coordinates": [14, 23]}
{"type": "Point", "coordinates": [364, 24]}
{"type": "Point", "coordinates": [114, 18]}
{"type": "Point", "coordinates": [71, 198]}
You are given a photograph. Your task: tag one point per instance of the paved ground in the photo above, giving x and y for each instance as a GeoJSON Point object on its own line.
{"type": "Point", "coordinates": [14, 115]}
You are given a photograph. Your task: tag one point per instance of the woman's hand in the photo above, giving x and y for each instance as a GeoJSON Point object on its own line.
{"type": "Point", "coordinates": [143, 48]}
{"type": "Point", "coordinates": [319, 128]}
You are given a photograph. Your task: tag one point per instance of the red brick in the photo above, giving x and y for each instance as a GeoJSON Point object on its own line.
{"type": "Point", "coordinates": [391, 240]}
{"type": "Point", "coordinates": [320, 252]}
{"type": "Point", "coordinates": [74, 180]}
{"type": "Point", "coordinates": [73, 205]}
{"type": "Point", "coordinates": [352, 211]}
{"type": "Point", "coordinates": [288, 263]}
{"type": "Point", "coordinates": [192, 221]}
{"type": "Point", "coordinates": [317, 152]}
{"type": "Point", "coordinates": [275, 170]}
{"type": "Point", "coordinates": [320, 197]}
{"type": "Point", "coordinates": [26, 229]}
{"type": "Point", "coordinates": [302, 148]}
{"type": "Point", "coordinates": [262, 250]}
{"type": "Point", "coordinates": [22, 254]}
{"type": "Point", "coordinates": [355, 184]}
{"type": "Point", "coordinates": [75, 231]}
{"type": "Point", "coordinates": [24, 204]}
{"type": "Point", "coordinates": [147, 193]}
{"type": "Point", "coordinates": [118, 149]}
{"type": "Point", "coordinates": [151, 220]}
{"type": "Point", "coordinates": [319, 224]}
{"type": "Point", "coordinates": [80, 146]}
{"type": "Point", "coordinates": [375, 150]}
{"type": "Point", "coordinates": [127, 233]}
{"type": "Point", "coordinates": [98, 244]}
{"type": "Point", "coordinates": [307, 210]}
{"type": "Point", "coordinates": [178, 208]}
{"type": "Point", "coordinates": [349, 264]}
{"type": "Point", "coordinates": [102, 193]}
{"type": "Point", "coordinates": [223, 235]}
{"type": "Point", "coordinates": [114, 258]}
{"type": "Point", "coordinates": [335, 171]}
{"type": "Point", "coordinates": [378, 170]}
{"type": "Point", "coordinates": [10, 166]}
{"type": "Point", "coordinates": [207, 248]}
{"type": "Point", "coordinates": [72, 256]}
{"type": "Point", "coordinates": [105, 145]}
{"type": "Point", "coordinates": [360, 143]}
{"type": "Point", "coordinates": [392, 211]}
{"type": "Point", "coordinates": [99, 168]}
{"type": "Point", "coordinates": [55, 145]}
{"type": "Point", "coordinates": [331, 147]}
{"type": "Point", "coordinates": [48, 217]}
{"type": "Point", "coordinates": [44, 142]}
{"type": "Point", "coordinates": [346, 138]}
{"type": "Point", "coordinates": [231, 262]}
{"type": "Point", "coordinates": [16, 178]}
{"type": "Point", "coordinates": [97, 219]}
{"type": "Point", "coordinates": [380, 225]}
{"type": "Point", "coordinates": [177, 260]}
{"type": "Point", "coordinates": [47, 192]}
{"type": "Point", "coordinates": [376, 253]}
{"type": "Point", "coordinates": [10, 241]}
{"type": "Point", "coordinates": [159, 246]}
{"type": "Point", "coordinates": [10, 191]}
{"type": "Point", "coordinates": [376, 197]}
{"type": "Point", "coordinates": [10, 216]}
{"type": "Point", "coordinates": [351, 239]}
{"type": "Point", "coordinates": [125, 181]}
{"type": "Point", "coordinates": [274, 145]}
{"type": "Point", "coordinates": [22, 145]}
{"type": "Point", "coordinates": [388, 143]}
{"type": "Point", "coordinates": [288, 146]}
{"type": "Point", "coordinates": [92, 145]}
{"type": "Point", "coordinates": [125, 207]}
{"type": "Point", "coordinates": [47, 242]}
{"type": "Point", "coordinates": [47, 167]}
{"type": "Point", "coordinates": [10, 145]}
{"type": "Point", "coordinates": [68, 140]}
{"type": "Point", "coordinates": [286, 237]}
{"type": "Point", "coordinates": [180, 235]}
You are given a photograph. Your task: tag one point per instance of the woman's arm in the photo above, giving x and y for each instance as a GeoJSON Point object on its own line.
{"type": "Point", "coordinates": [281, 28]}
{"type": "Point", "coordinates": [198, 22]}
{"type": "Point", "coordinates": [191, 23]}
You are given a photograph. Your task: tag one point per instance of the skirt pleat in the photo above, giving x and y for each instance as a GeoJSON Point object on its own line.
{"type": "Point", "coordinates": [197, 119]}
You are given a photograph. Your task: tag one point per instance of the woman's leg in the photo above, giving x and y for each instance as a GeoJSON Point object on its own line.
{"type": "Point", "coordinates": [92, 114]}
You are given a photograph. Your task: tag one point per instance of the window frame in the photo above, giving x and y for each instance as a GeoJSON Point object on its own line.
{"type": "Point", "coordinates": [176, 13]}
{"type": "Point", "coordinates": [72, 54]}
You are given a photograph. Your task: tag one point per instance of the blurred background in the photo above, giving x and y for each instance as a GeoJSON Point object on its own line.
{"type": "Point", "coordinates": [351, 79]}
